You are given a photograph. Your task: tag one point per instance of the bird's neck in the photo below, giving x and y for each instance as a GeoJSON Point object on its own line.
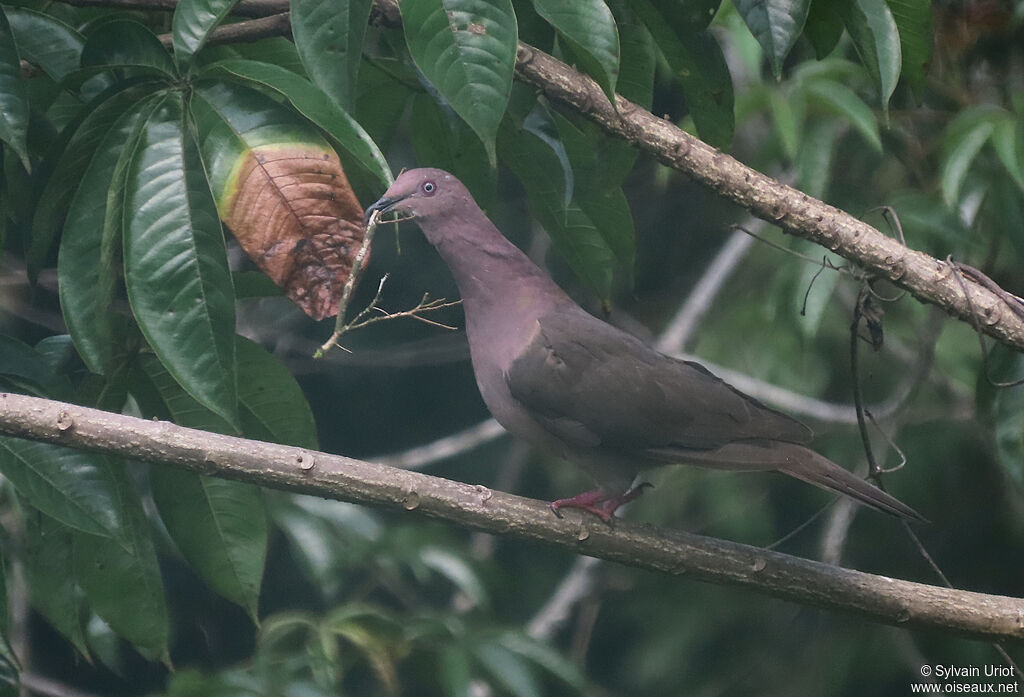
{"type": "Point", "coordinates": [493, 275]}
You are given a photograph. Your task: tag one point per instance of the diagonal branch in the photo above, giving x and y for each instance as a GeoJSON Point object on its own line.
{"type": "Point", "coordinates": [878, 598]}
{"type": "Point", "coordinates": [929, 279]}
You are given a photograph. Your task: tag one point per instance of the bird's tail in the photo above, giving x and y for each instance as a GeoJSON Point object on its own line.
{"type": "Point", "coordinates": [796, 461]}
{"type": "Point", "coordinates": [809, 466]}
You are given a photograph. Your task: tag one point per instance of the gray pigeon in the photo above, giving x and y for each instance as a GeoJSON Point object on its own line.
{"type": "Point", "coordinates": [574, 385]}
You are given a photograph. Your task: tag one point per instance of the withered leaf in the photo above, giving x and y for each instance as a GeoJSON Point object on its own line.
{"type": "Point", "coordinates": [291, 208]}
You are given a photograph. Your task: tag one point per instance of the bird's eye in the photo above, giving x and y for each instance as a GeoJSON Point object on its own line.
{"type": "Point", "coordinates": [428, 188]}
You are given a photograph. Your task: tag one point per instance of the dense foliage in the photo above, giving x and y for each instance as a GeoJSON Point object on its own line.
{"type": "Point", "coordinates": [124, 130]}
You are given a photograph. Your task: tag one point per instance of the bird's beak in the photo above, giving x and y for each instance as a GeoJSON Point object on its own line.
{"type": "Point", "coordinates": [384, 204]}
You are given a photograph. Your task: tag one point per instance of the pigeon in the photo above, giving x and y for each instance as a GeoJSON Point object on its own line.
{"type": "Point", "coordinates": [590, 393]}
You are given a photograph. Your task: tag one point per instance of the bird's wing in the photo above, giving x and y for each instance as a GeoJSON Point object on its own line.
{"type": "Point", "coordinates": [592, 384]}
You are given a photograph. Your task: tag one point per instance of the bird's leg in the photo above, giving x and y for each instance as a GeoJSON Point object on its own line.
{"type": "Point", "coordinates": [599, 502]}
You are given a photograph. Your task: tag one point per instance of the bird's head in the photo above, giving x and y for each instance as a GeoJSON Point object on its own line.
{"type": "Point", "coordinates": [426, 194]}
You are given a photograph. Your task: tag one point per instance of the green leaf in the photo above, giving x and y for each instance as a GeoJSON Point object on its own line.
{"type": "Point", "coordinates": [454, 671]}
{"type": "Point", "coordinates": [455, 568]}
{"type": "Point", "coordinates": [691, 16]}
{"type": "Point", "coordinates": [787, 121]}
{"type": "Point", "coordinates": [219, 526]}
{"type": "Point", "coordinates": [842, 101]}
{"type": "Point", "coordinates": [72, 486]}
{"type": "Point", "coordinates": [316, 107]}
{"type": "Point", "coordinates": [871, 26]}
{"type": "Point", "coordinates": [914, 22]}
{"type": "Point", "coordinates": [1008, 142]}
{"type": "Point", "coordinates": [589, 28]}
{"type": "Point", "coordinates": [960, 148]}
{"type": "Point", "coordinates": [124, 43]}
{"type": "Point", "coordinates": [441, 139]}
{"type": "Point", "coordinates": [192, 23]}
{"type": "Point", "coordinates": [636, 83]}
{"type": "Point", "coordinates": [28, 369]}
{"type": "Point", "coordinates": [697, 62]}
{"type": "Point", "coordinates": [88, 263]}
{"type": "Point", "coordinates": [72, 155]}
{"type": "Point", "coordinates": [329, 37]}
{"type": "Point", "coordinates": [8, 659]}
{"type": "Point", "coordinates": [1006, 409]}
{"type": "Point", "coordinates": [824, 26]}
{"type": "Point", "coordinates": [776, 24]}
{"type": "Point", "coordinates": [45, 41]}
{"type": "Point", "coordinates": [543, 655]}
{"type": "Point", "coordinates": [176, 271]}
{"type": "Point", "coordinates": [14, 107]}
{"type": "Point", "coordinates": [121, 578]}
{"type": "Point", "coordinates": [50, 577]}
{"type": "Point", "coordinates": [507, 668]}
{"type": "Point", "coordinates": [466, 49]}
{"type": "Point", "coordinates": [273, 407]}
{"type": "Point", "coordinates": [605, 205]}
{"type": "Point", "coordinates": [814, 160]}
{"type": "Point", "coordinates": [573, 234]}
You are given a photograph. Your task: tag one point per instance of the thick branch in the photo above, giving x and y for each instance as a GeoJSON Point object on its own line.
{"type": "Point", "coordinates": [882, 599]}
{"type": "Point", "coordinates": [928, 278]}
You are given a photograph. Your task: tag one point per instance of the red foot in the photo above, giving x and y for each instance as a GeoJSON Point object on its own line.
{"type": "Point", "coordinates": [598, 502]}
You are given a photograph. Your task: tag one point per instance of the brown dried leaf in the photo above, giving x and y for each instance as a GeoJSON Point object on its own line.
{"type": "Point", "coordinates": [295, 215]}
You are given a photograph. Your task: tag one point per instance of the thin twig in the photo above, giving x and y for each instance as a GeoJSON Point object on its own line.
{"type": "Point", "coordinates": [350, 284]}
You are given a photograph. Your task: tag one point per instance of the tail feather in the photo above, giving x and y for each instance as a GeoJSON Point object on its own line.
{"type": "Point", "coordinates": [816, 469]}
{"type": "Point", "coordinates": [796, 461]}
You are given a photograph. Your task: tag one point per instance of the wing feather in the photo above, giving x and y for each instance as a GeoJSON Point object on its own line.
{"type": "Point", "coordinates": [592, 384]}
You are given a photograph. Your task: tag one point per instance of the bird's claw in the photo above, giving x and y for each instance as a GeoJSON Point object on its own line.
{"type": "Point", "coordinates": [599, 503]}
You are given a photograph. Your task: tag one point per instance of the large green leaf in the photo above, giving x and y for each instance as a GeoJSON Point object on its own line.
{"type": "Point", "coordinates": [589, 28]}
{"type": "Point", "coordinates": [75, 487]}
{"type": "Point", "coordinates": [467, 50]}
{"type": "Point", "coordinates": [776, 24]}
{"type": "Point", "coordinates": [272, 403]}
{"type": "Point", "coordinates": [824, 26]}
{"type": "Point", "coordinates": [605, 205]}
{"type": "Point", "coordinates": [192, 23]}
{"type": "Point", "coordinates": [697, 62]}
{"type": "Point", "coordinates": [815, 157]}
{"type": "Point", "coordinates": [871, 26]}
{"type": "Point", "coordinates": [312, 104]}
{"type": "Point", "coordinates": [636, 83]}
{"type": "Point", "coordinates": [45, 41]}
{"type": "Point", "coordinates": [842, 101]}
{"type": "Point", "coordinates": [124, 43]}
{"type": "Point", "coordinates": [121, 578]}
{"type": "Point", "coordinates": [507, 668]}
{"type": "Point", "coordinates": [219, 526]}
{"type": "Point", "coordinates": [72, 154]}
{"type": "Point", "coordinates": [14, 106]}
{"type": "Point", "coordinates": [914, 21]}
{"type": "Point", "coordinates": [329, 37]}
{"type": "Point", "coordinates": [50, 577]}
{"type": "Point", "coordinates": [573, 234]}
{"type": "Point", "coordinates": [961, 146]}
{"type": "Point", "coordinates": [176, 272]}
{"type": "Point", "coordinates": [88, 263]}
{"type": "Point", "coordinates": [1008, 142]}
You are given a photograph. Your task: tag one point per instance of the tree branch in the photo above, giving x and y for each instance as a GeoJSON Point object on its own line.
{"type": "Point", "coordinates": [881, 599]}
{"type": "Point", "coordinates": [926, 277]}
{"type": "Point", "coordinates": [929, 279]}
